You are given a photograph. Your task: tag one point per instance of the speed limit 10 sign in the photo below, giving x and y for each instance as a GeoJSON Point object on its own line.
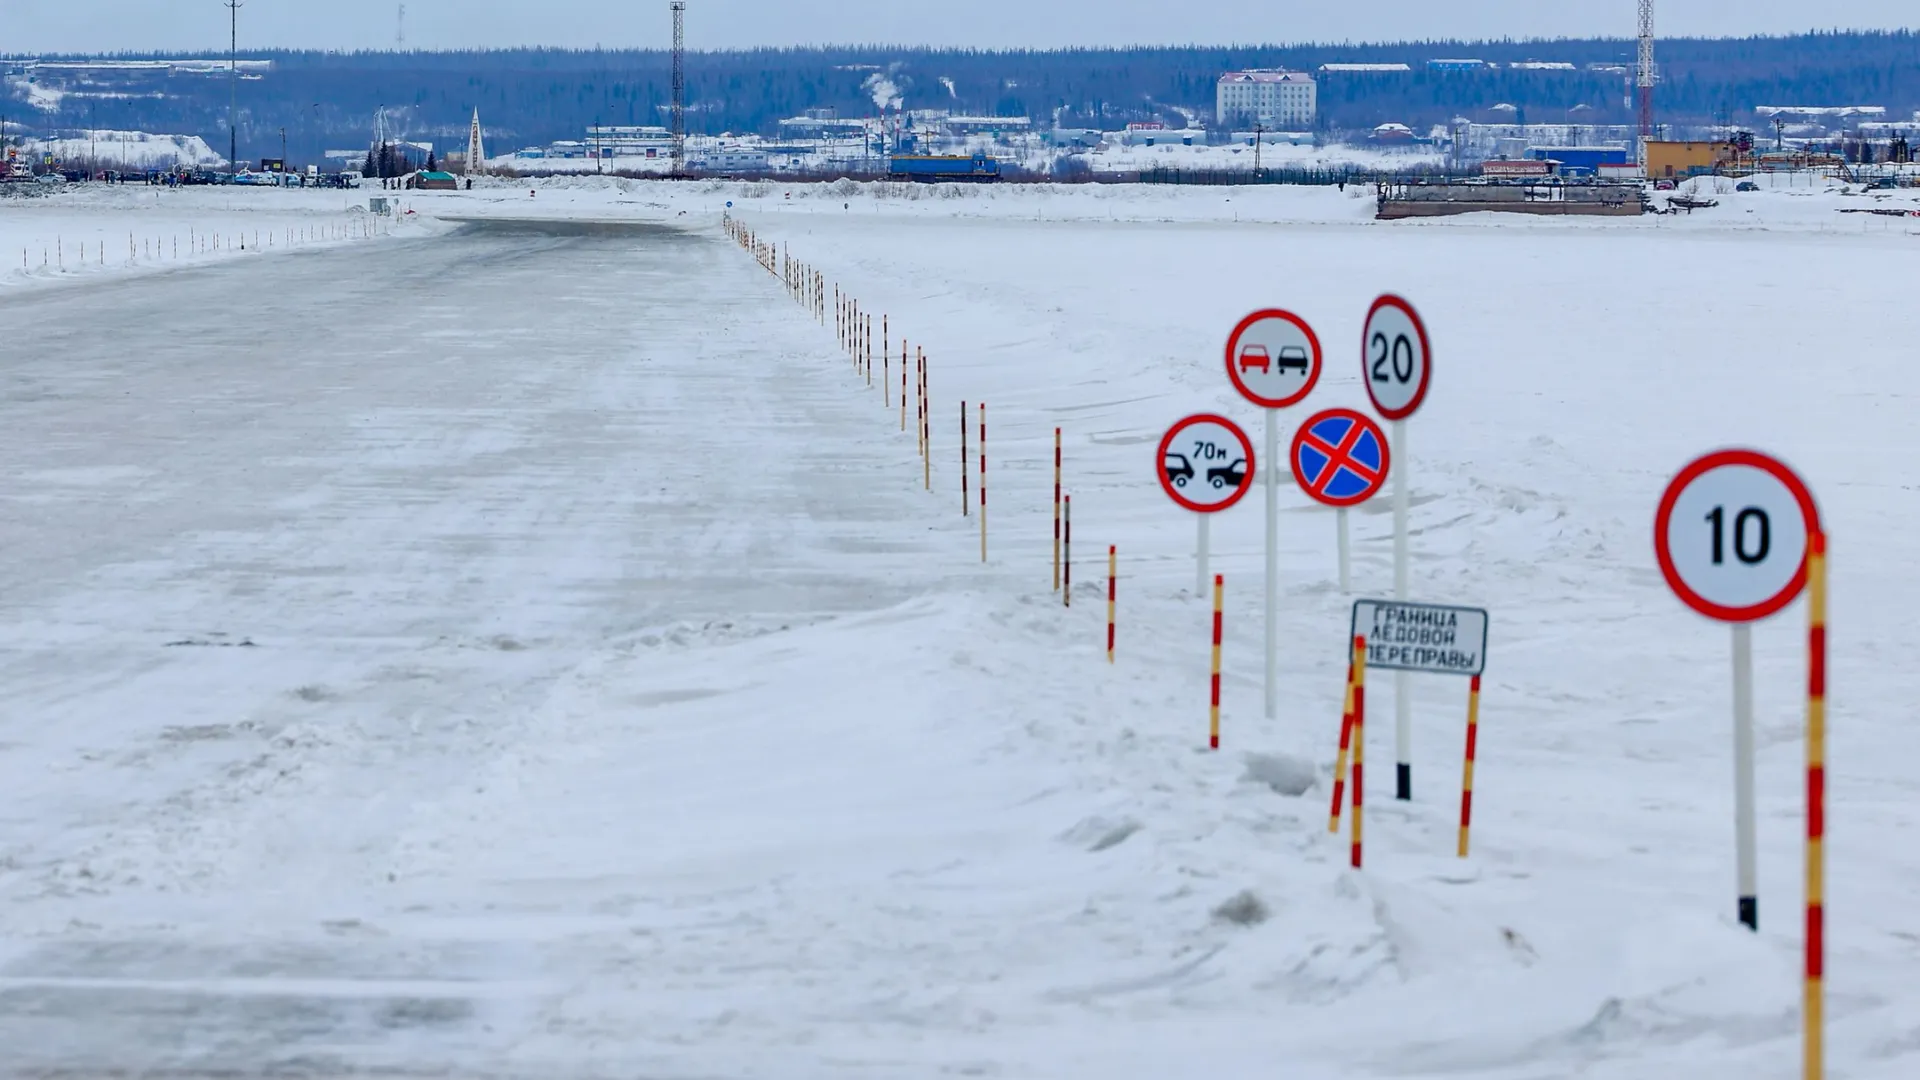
{"type": "Point", "coordinates": [1396, 359]}
{"type": "Point", "coordinates": [1731, 535]}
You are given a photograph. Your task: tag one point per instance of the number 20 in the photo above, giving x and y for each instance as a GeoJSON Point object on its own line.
{"type": "Point", "coordinates": [1402, 349]}
{"type": "Point", "coordinates": [1763, 540]}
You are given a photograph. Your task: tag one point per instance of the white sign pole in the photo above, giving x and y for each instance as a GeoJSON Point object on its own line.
{"type": "Point", "coordinates": [1402, 705]}
{"type": "Point", "coordinates": [1345, 559]}
{"type": "Point", "coordinates": [1273, 562]}
{"type": "Point", "coordinates": [1200, 560]}
{"type": "Point", "coordinates": [1743, 772]}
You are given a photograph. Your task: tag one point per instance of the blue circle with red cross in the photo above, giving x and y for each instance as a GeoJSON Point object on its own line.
{"type": "Point", "coordinates": [1340, 457]}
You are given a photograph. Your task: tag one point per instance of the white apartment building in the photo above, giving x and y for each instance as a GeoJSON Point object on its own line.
{"type": "Point", "coordinates": [1272, 99]}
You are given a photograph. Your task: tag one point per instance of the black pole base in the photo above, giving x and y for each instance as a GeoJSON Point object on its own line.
{"type": "Point", "coordinates": [1403, 786]}
{"type": "Point", "coordinates": [1750, 912]}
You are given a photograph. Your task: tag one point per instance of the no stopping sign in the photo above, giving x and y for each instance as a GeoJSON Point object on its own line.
{"type": "Point", "coordinates": [1732, 533]}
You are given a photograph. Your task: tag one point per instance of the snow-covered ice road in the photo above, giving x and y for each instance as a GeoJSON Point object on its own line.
{"type": "Point", "coordinates": [317, 571]}
{"type": "Point", "coordinates": [525, 652]}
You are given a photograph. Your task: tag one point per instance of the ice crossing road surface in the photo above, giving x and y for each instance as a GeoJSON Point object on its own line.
{"type": "Point", "coordinates": [317, 574]}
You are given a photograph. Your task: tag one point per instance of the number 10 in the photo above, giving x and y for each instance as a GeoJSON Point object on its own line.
{"type": "Point", "coordinates": [1763, 542]}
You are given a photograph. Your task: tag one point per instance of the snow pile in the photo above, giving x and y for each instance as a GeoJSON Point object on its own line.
{"type": "Point", "coordinates": [126, 149]}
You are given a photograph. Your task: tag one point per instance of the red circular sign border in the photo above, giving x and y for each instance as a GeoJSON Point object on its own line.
{"type": "Point", "coordinates": [1313, 379]}
{"type": "Point", "coordinates": [1426, 351]}
{"type": "Point", "coordinates": [1166, 485]}
{"type": "Point", "coordinates": [1699, 467]}
{"type": "Point", "coordinates": [1300, 436]}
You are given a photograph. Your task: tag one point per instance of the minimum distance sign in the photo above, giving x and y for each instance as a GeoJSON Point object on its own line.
{"type": "Point", "coordinates": [1273, 358]}
{"type": "Point", "coordinates": [1396, 360]}
{"type": "Point", "coordinates": [1732, 533]}
{"type": "Point", "coordinates": [1340, 457]}
{"type": "Point", "coordinates": [1205, 463]}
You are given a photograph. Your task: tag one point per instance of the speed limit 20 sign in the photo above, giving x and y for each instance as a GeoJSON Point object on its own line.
{"type": "Point", "coordinates": [1396, 360]}
{"type": "Point", "coordinates": [1731, 535]}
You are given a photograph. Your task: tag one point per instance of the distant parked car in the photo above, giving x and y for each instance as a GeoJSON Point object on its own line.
{"type": "Point", "coordinates": [1746, 185]}
{"type": "Point", "coordinates": [51, 178]}
{"type": "Point", "coordinates": [1663, 185]}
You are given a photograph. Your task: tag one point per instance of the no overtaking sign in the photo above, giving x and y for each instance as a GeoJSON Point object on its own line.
{"type": "Point", "coordinates": [1435, 638]}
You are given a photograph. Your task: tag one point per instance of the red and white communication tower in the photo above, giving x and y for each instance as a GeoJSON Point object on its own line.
{"type": "Point", "coordinates": [1644, 75]}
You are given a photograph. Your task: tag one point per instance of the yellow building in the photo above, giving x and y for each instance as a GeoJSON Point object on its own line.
{"type": "Point", "coordinates": [1683, 159]}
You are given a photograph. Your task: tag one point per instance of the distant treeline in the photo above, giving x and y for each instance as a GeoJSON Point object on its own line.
{"type": "Point", "coordinates": [534, 96]}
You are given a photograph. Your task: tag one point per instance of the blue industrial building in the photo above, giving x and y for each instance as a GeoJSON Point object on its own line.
{"type": "Point", "coordinates": [1579, 160]}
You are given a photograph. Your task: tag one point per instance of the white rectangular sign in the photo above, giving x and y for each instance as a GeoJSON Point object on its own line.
{"type": "Point", "coordinates": [1434, 638]}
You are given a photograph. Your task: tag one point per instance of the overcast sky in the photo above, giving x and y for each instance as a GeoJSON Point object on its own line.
{"type": "Point", "coordinates": [103, 25]}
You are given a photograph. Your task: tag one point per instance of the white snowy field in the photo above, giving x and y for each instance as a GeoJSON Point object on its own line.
{"type": "Point", "coordinates": [547, 662]}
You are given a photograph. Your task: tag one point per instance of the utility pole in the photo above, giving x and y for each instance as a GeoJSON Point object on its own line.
{"type": "Point", "coordinates": [679, 86]}
{"type": "Point", "coordinates": [1259, 133]}
{"type": "Point", "coordinates": [233, 85]}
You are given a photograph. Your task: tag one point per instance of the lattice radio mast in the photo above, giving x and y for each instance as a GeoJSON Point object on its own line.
{"type": "Point", "coordinates": [1645, 75]}
{"type": "Point", "coordinates": [679, 86]}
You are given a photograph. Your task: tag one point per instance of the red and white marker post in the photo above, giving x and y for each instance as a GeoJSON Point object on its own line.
{"type": "Point", "coordinates": [1274, 361]}
{"type": "Point", "coordinates": [1213, 711]}
{"type": "Point", "coordinates": [1732, 535]}
{"type": "Point", "coordinates": [1396, 367]}
{"type": "Point", "coordinates": [983, 482]}
{"type": "Point", "coordinates": [1113, 594]}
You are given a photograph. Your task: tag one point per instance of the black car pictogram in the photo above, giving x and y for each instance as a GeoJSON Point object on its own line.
{"type": "Point", "coordinates": [1228, 475]}
{"type": "Point", "coordinates": [1179, 469]}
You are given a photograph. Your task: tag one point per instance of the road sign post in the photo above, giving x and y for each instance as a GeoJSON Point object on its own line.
{"type": "Point", "coordinates": [1396, 367]}
{"type": "Point", "coordinates": [1732, 536]}
{"type": "Point", "coordinates": [1273, 360]}
{"type": "Point", "coordinates": [1205, 464]}
{"type": "Point", "coordinates": [1340, 458]}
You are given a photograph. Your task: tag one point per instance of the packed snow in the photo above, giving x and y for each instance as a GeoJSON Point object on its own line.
{"type": "Point", "coordinates": [533, 652]}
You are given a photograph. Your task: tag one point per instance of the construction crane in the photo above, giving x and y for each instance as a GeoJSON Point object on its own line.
{"type": "Point", "coordinates": [679, 86]}
{"type": "Point", "coordinates": [1645, 75]}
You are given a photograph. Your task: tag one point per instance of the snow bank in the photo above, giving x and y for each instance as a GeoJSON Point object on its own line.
{"type": "Point", "coordinates": [84, 231]}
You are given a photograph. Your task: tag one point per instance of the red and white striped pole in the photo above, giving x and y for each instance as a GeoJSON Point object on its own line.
{"type": "Point", "coordinates": [1113, 594]}
{"type": "Point", "coordinates": [1066, 558]}
{"type": "Point", "coordinates": [983, 481]}
{"type": "Point", "coordinates": [966, 506]}
{"type": "Point", "coordinates": [1056, 509]}
{"type": "Point", "coordinates": [1340, 762]}
{"type": "Point", "coordinates": [1359, 741]}
{"type": "Point", "coordinates": [1813, 991]}
{"type": "Point", "coordinates": [1213, 716]}
{"type": "Point", "coordinates": [926, 426]}
{"type": "Point", "coordinates": [1466, 780]}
